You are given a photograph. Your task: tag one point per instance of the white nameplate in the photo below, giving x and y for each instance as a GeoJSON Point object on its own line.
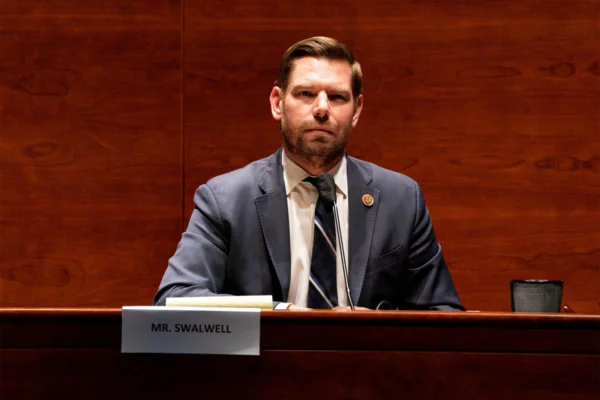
{"type": "Point", "coordinates": [192, 330]}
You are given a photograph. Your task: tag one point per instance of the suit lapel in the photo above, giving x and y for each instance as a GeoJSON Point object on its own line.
{"type": "Point", "coordinates": [273, 215]}
{"type": "Point", "coordinates": [362, 223]}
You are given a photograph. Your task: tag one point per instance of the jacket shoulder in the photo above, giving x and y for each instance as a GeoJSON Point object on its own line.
{"type": "Point", "coordinates": [241, 180]}
{"type": "Point", "coordinates": [384, 179]}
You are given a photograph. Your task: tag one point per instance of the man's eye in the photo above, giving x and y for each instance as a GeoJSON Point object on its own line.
{"type": "Point", "coordinates": [337, 97]}
{"type": "Point", "coordinates": [305, 93]}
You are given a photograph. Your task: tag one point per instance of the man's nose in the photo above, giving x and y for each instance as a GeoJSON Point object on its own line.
{"type": "Point", "coordinates": [321, 107]}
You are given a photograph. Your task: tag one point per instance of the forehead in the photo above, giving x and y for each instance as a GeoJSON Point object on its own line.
{"type": "Point", "coordinates": [320, 71]}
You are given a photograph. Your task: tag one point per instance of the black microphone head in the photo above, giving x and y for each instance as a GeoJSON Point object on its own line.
{"type": "Point", "coordinates": [326, 187]}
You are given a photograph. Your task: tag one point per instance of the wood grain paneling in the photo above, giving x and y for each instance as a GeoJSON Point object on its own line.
{"type": "Point", "coordinates": [105, 373]}
{"type": "Point", "coordinates": [356, 355]}
{"type": "Point", "coordinates": [90, 204]}
{"type": "Point", "coordinates": [493, 107]}
{"type": "Point", "coordinates": [495, 332]}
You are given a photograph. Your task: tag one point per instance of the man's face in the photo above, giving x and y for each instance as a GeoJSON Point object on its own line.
{"type": "Point", "coordinates": [317, 111]}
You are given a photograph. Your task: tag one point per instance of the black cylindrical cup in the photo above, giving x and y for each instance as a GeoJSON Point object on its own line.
{"type": "Point", "coordinates": [535, 295]}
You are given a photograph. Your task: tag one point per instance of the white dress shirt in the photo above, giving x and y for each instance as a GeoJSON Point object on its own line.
{"type": "Point", "coordinates": [301, 201]}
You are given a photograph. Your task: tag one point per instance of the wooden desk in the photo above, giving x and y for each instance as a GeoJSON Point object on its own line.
{"type": "Point", "coordinates": [75, 353]}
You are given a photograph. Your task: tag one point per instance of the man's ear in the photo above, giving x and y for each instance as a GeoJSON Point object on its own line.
{"type": "Point", "coordinates": [276, 100]}
{"type": "Point", "coordinates": [357, 110]}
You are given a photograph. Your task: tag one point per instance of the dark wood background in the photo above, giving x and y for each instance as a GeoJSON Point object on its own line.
{"type": "Point", "coordinates": [113, 113]}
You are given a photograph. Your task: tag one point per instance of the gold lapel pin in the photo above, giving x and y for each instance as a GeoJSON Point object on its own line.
{"type": "Point", "coordinates": [368, 200]}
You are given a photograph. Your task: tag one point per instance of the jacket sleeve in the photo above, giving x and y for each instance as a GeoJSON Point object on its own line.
{"type": "Point", "coordinates": [428, 282]}
{"type": "Point", "coordinates": [199, 264]}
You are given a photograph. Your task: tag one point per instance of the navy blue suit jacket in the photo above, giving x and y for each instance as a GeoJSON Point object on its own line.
{"type": "Point", "coordinates": [238, 242]}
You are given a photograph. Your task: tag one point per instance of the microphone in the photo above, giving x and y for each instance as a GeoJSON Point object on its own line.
{"type": "Point", "coordinates": [326, 187]}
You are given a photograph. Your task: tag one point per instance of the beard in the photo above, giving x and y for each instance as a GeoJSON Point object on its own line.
{"type": "Point", "coordinates": [320, 150]}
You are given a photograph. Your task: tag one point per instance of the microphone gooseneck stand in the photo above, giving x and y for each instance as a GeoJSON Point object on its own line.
{"type": "Point", "coordinates": [326, 187]}
{"type": "Point", "coordinates": [343, 254]}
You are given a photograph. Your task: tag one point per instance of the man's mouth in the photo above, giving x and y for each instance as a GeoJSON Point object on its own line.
{"type": "Point", "coordinates": [323, 130]}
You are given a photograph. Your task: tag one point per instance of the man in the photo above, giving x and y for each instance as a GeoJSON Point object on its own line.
{"type": "Point", "coordinates": [268, 229]}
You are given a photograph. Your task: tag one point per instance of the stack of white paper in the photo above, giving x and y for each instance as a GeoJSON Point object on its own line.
{"type": "Point", "coordinates": [262, 302]}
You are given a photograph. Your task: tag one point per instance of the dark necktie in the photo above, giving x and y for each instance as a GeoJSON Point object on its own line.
{"type": "Point", "coordinates": [322, 290]}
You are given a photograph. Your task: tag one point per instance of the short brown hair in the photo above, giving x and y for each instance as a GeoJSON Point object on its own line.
{"type": "Point", "coordinates": [319, 47]}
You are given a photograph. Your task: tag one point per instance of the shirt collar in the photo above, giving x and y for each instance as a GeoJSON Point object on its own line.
{"type": "Point", "coordinates": [293, 174]}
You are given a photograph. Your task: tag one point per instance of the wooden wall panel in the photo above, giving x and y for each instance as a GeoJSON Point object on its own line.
{"type": "Point", "coordinates": [493, 107]}
{"type": "Point", "coordinates": [90, 154]}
